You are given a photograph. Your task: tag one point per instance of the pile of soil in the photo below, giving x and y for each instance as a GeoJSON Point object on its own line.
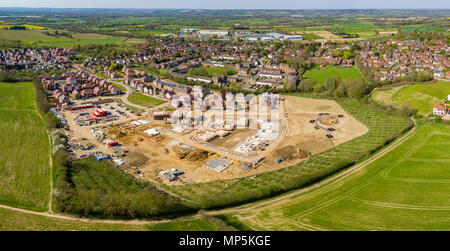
{"type": "Point", "coordinates": [181, 152]}
{"type": "Point", "coordinates": [328, 120]}
{"type": "Point", "coordinates": [197, 155]}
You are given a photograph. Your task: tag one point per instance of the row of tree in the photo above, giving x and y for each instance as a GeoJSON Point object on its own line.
{"type": "Point", "coordinates": [143, 202]}
{"type": "Point", "coordinates": [44, 106]}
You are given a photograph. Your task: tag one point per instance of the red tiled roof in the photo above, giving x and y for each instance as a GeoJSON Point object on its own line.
{"type": "Point", "coordinates": [440, 107]}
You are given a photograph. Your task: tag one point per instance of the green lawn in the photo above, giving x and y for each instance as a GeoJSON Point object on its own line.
{"type": "Point", "coordinates": [121, 87]}
{"type": "Point", "coordinates": [118, 100]}
{"type": "Point", "coordinates": [406, 189]}
{"type": "Point", "coordinates": [144, 100]}
{"type": "Point", "coordinates": [423, 96]}
{"type": "Point", "coordinates": [323, 74]}
{"type": "Point", "coordinates": [24, 149]}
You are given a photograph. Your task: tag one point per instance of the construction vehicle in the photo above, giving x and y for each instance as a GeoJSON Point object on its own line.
{"type": "Point", "coordinates": [280, 159]}
{"type": "Point", "coordinates": [118, 154]}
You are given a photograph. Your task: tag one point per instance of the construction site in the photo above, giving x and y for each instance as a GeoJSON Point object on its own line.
{"type": "Point", "coordinates": [151, 148]}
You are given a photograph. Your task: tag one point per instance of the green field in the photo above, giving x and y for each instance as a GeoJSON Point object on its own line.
{"type": "Point", "coordinates": [310, 36]}
{"type": "Point", "coordinates": [211, 71]}
{"type": "Point", "coordinates": [144, 100]}
{"type": "Point", "coordinates": [323, 74]}
{"type": "Point", "coordinates": [35, 38]}
{"type": "Point", "coordinates": [17, 221]}
{"type": "Point", "coordinates": [11, 220]}
{"type": "Point", "coordinates": [406, 189]}
{"type": "Point", "coordinates": [363, 28]}
{"type": "Point", "coordinates": [155, 32]}
{"type": "Point", "coordinates": [121, 87]}
{"type": "Point", "coordinates": [24, 158]}
{"type": "Point", "coordinates": [382, 126]}
{"type": "Point", "coordinates": [386, 95]}
{"type": "Point", "coordinates": [205, 223]}
{"type": "Point", "coordinates": [118, 100]}
{"type": "Point", "coordinates": [419, 28]}
{"type": "Point", "coordinates": [423, 96]}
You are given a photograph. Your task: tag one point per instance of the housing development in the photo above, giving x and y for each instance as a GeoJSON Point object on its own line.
{"type": "Point", "coordinates": [224, 120]}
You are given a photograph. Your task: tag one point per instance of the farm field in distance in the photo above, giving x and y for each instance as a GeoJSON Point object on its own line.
{"type": "Point", "coordinates": [36, 38]}
{"type": "Point", "coordinates": [391, 193]}
{"type": "Point", "coordinates": [25, 168]}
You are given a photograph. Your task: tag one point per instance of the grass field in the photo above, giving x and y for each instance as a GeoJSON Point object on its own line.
{"type": "Point", "coordinates": [24, 149]}
{"type": "Point", "coordinates": [121, 87]}
{"type": "Point", "coordinates": [17, 221]}
{"type": "Point", "coordinates": [382, 128]}
{"type": "Point", "coordinates": [144, 100]}
{"type": "Point", "coordinates": [423, 96]}
{"type": "Point", "coordinates": [385, 96]}
{"type": "Point", "coordinates": [310, 36]}
{"type": "Point", "coordinates": [323, 74]}
{"type": "Point", "coordinates": [205, 223]}
{"type": "Point", "coordinates": [35, 38]}
{"type": "Point", "coordinates": [406, 189]}
{"type": "Point", "coordinates": [420, 96]}
{"type": "Point", "coordinates": [211, 71]}
{"type": "Point", "coordinates": [118, 100]}
{"type": "Point", "coordinates": [419, 28]}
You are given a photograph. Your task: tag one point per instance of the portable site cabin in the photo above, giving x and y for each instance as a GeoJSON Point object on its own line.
{"type": "Point", "coordinates": [100, 158]}
{"type": "Point", "coordinates": [100, 113]}
{"type": "Point", "coordinates": [113, 143]}
{"type": "Point", "coordinates": [152, 132]}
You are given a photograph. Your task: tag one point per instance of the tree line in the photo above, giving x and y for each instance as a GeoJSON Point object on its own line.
{"type": "Point", "coordinates": [44, 105]}
{"type": "Point", "coordinates": [143, 202]}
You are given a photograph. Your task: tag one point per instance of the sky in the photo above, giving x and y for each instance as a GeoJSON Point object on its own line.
{"type": "Point", "coordinates": [232, 4]}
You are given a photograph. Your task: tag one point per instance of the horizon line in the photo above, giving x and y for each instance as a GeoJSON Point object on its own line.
{"type": "Point", "coordinates": [124, 8]}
